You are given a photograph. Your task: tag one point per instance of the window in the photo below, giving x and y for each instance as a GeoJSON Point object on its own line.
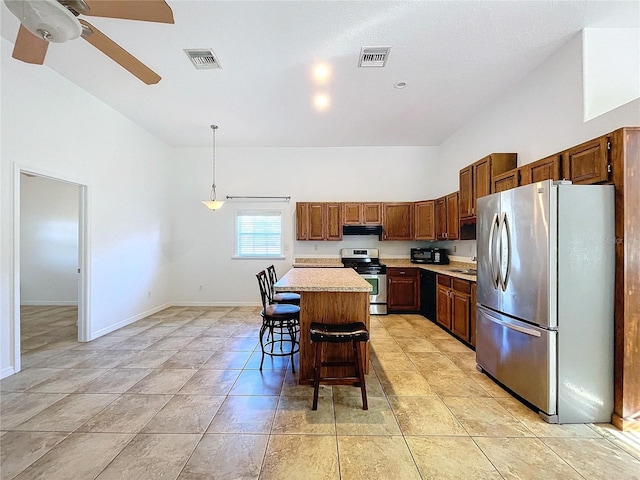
{"type": "Point", "coordinates": [258, 233]}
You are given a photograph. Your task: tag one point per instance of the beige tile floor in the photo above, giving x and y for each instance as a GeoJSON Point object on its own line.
{"type": "Point", "coordinates": [178, 395]}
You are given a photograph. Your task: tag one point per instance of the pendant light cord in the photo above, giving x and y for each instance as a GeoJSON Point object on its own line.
{"type": "Point", "coordinates": [213, 178]}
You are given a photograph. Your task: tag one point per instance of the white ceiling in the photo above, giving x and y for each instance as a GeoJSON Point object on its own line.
{"type": "Point", "coordinates": [456, 57]}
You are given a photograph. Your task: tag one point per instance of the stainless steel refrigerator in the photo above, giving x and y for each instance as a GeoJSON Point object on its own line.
{"type": "Point", "coordinates": [545, 297]}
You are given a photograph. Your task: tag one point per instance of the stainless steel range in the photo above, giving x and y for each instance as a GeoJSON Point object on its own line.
{"type": "Point", "coordinates": [366, 261]}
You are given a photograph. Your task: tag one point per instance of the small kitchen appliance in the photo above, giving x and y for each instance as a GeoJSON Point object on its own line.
{"type": "Point", "coordinates": [434, 255]}
{"type": "Point", "coordinates": [366, 262]}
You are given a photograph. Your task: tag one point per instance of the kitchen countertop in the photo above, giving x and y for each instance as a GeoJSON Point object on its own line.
{"type": "Point", "coordinates": [322, 280]}
{"type": "Point", "coordinates": [443, 269]}
{"type": "Point", "coordinates": [317, 263]}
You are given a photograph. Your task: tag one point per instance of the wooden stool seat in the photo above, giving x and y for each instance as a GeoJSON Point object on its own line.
{"type": "Point", "coordinates": [356, 333]}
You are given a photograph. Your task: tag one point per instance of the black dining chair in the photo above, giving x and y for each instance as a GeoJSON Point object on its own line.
{"type": "Point", "coordinates": [282, 297]}
{"type": "Point", "coordinates": [280, 323]}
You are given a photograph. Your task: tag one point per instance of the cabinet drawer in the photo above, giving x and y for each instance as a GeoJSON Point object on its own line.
{"type": "Point", "coordinates": [462, 286]}
{"type": "Point", "coordinates": [410, 272]}
{"type": "Point", "coordinates": [444, 280]}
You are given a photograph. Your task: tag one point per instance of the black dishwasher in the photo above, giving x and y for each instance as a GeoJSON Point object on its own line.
{"type": "Point", "coordinates": [428, 294]}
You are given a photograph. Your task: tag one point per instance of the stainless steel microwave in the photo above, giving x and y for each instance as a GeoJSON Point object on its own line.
{"type": "Point", "coordinates": [433, 255]}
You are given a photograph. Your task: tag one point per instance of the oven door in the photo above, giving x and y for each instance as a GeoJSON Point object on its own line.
{"type": "Point", "coordinates": [378, 296]}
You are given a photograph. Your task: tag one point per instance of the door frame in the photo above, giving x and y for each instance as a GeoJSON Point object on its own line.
{"type": "Point", "coordinates": [83, 257]}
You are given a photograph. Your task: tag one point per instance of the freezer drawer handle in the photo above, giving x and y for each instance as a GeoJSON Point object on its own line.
{"type": "Point", "coordinates": [517, 328]}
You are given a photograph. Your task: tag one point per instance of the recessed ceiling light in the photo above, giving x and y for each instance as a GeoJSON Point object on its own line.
{"type": "Point", "coordinates": [400, 85]}
{"type": "Point", "coordinates": [321, 72]}
{"type": "Point", "coordinates": [321, 101]}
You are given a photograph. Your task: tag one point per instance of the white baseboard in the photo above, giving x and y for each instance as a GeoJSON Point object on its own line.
{"type": "Point", "coordinates": [5, 372]}
{"type": "Point", "coordinates": [215, 304]}
{"type": "Point", "coordinates": [47, 303]}
{"type": "Point", "coordinates": [128, 321]}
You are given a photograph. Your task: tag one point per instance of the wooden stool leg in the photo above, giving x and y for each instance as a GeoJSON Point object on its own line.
{"type": "Point", "coordinates": [316, 374]}
{"type": "Point", "coordinates": [358, 358]}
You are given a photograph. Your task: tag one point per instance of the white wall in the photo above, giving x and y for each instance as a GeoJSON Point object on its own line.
{"type": "Point", "coordinates": [49, 212]}
{"type": "Point", "coordinates": [540, 116]}
{"type": "Point", "coordinates": [611, 68]}
{"type": "Point", "coordinates": [52, 127]}
{"type": "Point", "coordinates": [203, 240]}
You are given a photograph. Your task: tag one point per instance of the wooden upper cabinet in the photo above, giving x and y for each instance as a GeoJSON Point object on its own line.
{"type": "Point", "coordinates": [476, 180]}
{"type": "Point", "coordinates": [466, 192]}
{"type": "Point", "coordinates": [447, 215]}
{"type": "Point", "coordinates": [453, 224]}
{"type": "Point", "coordinates": [506, 181]}
{"type": "Point", "coordinates": [397, 221]}
{"type": "Point", "coordinates": [588, 163]}
{"type": "Point", "coordinates": [318, 221]}
{"type": "Point", "coordinates": [548, 168]}
{"type": "Point", "coordinates": [333, 222]}
{"type": "Point", "coordinates": [352, 213]}
{"type": "Point", "coordinates": [425, 221]}
{"type": "Point", "coordinates": [372, 213]}
{"type": "Point", "coordinates": [302, 221]}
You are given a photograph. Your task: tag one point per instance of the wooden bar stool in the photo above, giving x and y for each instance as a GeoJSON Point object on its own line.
{"type": "Point", "coordinates": [356, 333]}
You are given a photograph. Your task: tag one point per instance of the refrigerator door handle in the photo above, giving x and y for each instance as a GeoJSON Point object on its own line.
{"type": "Point", "coordinates": [504, 227]}
{"type": "Point", "coordinates": [517, 328]}
{"type": "Point", "coordinates": [492, 251]}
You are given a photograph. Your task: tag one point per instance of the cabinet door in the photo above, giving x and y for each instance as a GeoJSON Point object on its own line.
{"type": "Point", "coordinates": [466, 192]}
{"type": "Point", "coordinates": [453, 221]}
{"type": "Point", "coordinates": [316, 221]}
{"type": "Point", "coordinates": [545, 169]}
{"type": "Point", "coordinates": [403, 289]}
{"type": "Point", "coordinates": [461, 308]}
{"type": "Point", "coordinates": [472, 316]}
{"type": "Point", "coordinates": [372, 213]}
{"type": "Point", "coordinates": [352, 213]}
{"type": "Point", "coordinates": [588, 163]}
{"type": "Point", "coordinates": [443, 306]}
{"type": "Point", "coordinates": [441, 218]}
{"type": "Point", "coordinates": [302, 221]}
{"type": "Point", "coordinates": [333, 226]}
{"type": "Point", "coordinates": [397, 221]}
{"type": "Point", "coordinates": [425, 222]}
{"type": "Point", "coordinates": [481, 180]}
{"type": "Point", "coordinates": [506, 181]}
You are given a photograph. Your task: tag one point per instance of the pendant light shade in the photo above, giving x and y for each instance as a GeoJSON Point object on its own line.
{"type": "Point", "coordinates": [213, 204]}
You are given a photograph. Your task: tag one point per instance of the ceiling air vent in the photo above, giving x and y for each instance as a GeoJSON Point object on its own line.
{"type": "Point", "coordinates": [203, 58]}
{"type": "Point", "coordinates": [373, 56]}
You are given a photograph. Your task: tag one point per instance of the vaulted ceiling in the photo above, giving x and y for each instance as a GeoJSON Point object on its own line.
{"type": "Point", "coordinates": [455, 57]}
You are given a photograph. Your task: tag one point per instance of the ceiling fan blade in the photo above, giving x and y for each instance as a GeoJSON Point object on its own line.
{"type": "Point", "coordinates": [118, 54]}
{"type": "Point", "coordinates": [145, 10]}
{"type": "Point", "coordinates": [29, 48]}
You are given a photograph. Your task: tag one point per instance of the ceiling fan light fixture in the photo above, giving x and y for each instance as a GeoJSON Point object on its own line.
{"type": "Point", "coordinates": [212, 203]}
{"type": "Point", "coordinates": [46, 19]}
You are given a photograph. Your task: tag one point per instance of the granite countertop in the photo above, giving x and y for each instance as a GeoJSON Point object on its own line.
{"type": "Point", "coordinates": [443, 269]}
{"type": "Point", "coordinates": [317, 263]}
{"type": "Point", "coordinates": [322, 280]}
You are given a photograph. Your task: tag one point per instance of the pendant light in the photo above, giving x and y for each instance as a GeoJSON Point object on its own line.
{"type": "Point", "coordinates": [213, 204]}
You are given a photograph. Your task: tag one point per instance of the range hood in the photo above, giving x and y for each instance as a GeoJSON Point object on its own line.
{"type": "Point", "coordinates": [362, 230]}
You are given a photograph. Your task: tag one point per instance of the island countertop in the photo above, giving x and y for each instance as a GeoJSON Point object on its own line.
{"type": "Point", "coordinates": [322, 280]}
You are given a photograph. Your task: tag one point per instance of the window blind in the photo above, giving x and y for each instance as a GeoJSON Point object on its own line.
{"type": "Point", "coordinates": [259, 233]}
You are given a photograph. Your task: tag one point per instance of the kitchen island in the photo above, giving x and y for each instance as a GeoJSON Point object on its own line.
{"type": "Point", "coordinates": [327, 295]}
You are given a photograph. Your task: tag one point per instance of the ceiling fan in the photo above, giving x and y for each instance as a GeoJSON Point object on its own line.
{"type": "Point", "coordinates": [44, 21]}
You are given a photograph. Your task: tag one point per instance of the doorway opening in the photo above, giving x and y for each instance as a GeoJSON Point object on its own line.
{"type": "Point", "coordinates": [50, 267]}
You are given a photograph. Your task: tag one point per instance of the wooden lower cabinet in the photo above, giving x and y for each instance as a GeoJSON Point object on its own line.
{"type": "Point", "coordinates": [454, 306]}
{"type": "Point", "coordinates": [403, 289]}
{"type": "Point", "coordinates": [472, 322]}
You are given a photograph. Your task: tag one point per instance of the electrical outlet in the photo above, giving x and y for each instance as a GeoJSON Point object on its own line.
{"type": "Point", "coordinates": [455, 249]}
{"type": "Point", "coordinates": [315, 247]}
{"type": "Point", "coordinates": [149, 294]}
{"type": "Point", "coordinates": [200, 289]}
